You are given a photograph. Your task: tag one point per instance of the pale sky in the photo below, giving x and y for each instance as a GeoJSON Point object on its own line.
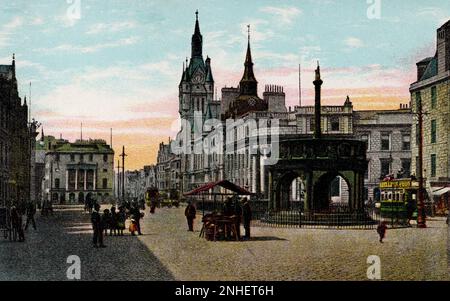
{"type": "Point", "coordinates": [118, 63]}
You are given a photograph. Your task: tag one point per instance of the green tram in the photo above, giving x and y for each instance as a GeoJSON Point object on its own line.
{"type": "Point", "coordinates": [398, 199]}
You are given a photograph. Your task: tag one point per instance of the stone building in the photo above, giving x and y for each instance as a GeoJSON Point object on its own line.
{"type": "Point", "coordinates": [431, 92]}
{"type": "Point", "coordinates": [167, 171]}
{"type": "Point", "coordinates": [16, 140]}
{"type": "Point", "coordinates": [206, 156]}
{"type": "Point", "coordinates": [137, 182]}
{"type": "Point", "coordinates": [388, 137]}
{"type": "Point", "coordinates": [78, 171]}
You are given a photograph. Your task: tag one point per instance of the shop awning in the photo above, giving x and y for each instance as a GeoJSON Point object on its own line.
{"type": "Point", "coordinates": [440, 191]}
{"type": "Point", "coordinates": [224, 183]}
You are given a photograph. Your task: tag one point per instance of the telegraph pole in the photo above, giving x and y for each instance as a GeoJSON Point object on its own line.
{"type": "Point", "coordinates": [421, 219]}
{"type": "Point", "coordinates": [123, 155]}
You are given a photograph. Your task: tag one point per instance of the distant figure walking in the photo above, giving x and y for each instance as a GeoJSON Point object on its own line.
{"type": "Point", "coordinates": [106, 221]}
{"type": "Point", "coordinates": [136, 216]}
{"type": "Point", "coordinates": [97, 227]}
{"type": "Point", "coordinates": [381, 230]}
{"type": "Point", "coordinates": [190, 212]}
{"type": "Point", "coordinates": [113, 222]}
{"type": "Point", "coordinates": [247, 217]}
{"type": "Point", "coordinates": [31, 211]}
{"type": "Point", "coordinates": [121, 218]}
{"type": "Point", "coordinates": [17, 223]}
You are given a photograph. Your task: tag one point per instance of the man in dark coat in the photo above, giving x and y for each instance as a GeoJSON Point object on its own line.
{"type": "Point", "coordinates": [97, 226]}
{"type": "Point", "coordinates": [16, 220]}
{"type": "Point", "coordinates": [247, 217]}
{"type": "Point", "coordinates": [190, 212]}
{"type": "Point", "coordinates": [238, 213]}
{"type": "Point", "coordinates": [31, 211]}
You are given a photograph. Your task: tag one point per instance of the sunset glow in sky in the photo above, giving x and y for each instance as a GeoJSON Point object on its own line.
{"type": "Point", "coordinates": [119, 64]}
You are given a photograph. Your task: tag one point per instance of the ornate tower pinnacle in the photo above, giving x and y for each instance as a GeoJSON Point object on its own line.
{"type": "Point", "coordinates": [197, 40]}
{"type": "Point", "coordinates": [248, 84]}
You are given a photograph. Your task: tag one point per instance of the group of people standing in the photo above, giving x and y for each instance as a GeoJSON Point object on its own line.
{"type": "Point", "coordinates": [114, 221]}
{"type": "Point", "coordinates": [241, 210]}
{"type": "Point", "coordinates": [17, 213]}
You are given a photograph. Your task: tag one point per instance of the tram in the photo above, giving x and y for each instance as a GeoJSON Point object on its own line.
{"type": "Point", "coordinates": [398, 198]}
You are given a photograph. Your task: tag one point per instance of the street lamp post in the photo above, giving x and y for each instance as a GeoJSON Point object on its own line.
{"type": "Point", "coordinates": [421, 220]}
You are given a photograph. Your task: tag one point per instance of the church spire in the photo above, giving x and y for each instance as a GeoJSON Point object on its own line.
{"type": "Point", "coordinates": [197, 40]}
{"type": "Point", "coordinates": [248, 84]}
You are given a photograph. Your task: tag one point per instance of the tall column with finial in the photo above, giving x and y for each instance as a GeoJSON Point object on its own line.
{"type": "Point", "coordinates": [317, 113]}
{"type": "Point", "coordinates": [123, 155]}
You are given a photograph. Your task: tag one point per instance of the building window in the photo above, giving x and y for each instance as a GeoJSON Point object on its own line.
{"type": "Point", "coordinates": [57, 183]}
{"type": "Point", "coordinates": [417, 166]}
{"type": "Point", "coordinates": [72, 157]}
{"type": "Point", "coordinates": [81, 158]}
{"type": "Point", "coordinates": [105, 158]}
{"type": "Point", "coordinates": [91, 157]}
{"type": "Point", "coordinates": [105, 183]}
{"type": "Point", "coordinates": [417, 134]}
{"type": "Point", "coordinates": [433, 166]}
{"type": "Point", "coordinates": [433, 131]}
{"type": "Point", "coordinates": [57, 158]}
{"type": "Point", "coordinates": [311, 124]}
{"type": "Point", "coordinates": [406, 142]}
{"type": "Point", "coordinates": [385, 167]}
{"type": "Point", "coordinates": [385, 141]}
{"type": "Point", "coordinates": [406, 168]}
{"type": "Point", "coordinates": [365, 138]}
{"type": "Point", "coordinates": [105, 170]}
{"type": "Point", "coordinates": [433, 97]}
{"type": "Point", "coordinates": [335, 126]}
{"type": "Point", "coordinates": [418, 101]}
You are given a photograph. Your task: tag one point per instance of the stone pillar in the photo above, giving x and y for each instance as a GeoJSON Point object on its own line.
{"type": "Point", "coordinates": [76, 179]}
{"type": "Point", "coordinates": [67, 179]}
{"type": "Point", "coordinates": [95, 179]}
{"type": "Point", "coordinates": [309, 191]}
{"type": "Point", "coordinates": [85, 179]}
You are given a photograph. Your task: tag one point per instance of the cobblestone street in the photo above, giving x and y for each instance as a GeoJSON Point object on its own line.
{"type": "Point", "coordinates": [167, 251]}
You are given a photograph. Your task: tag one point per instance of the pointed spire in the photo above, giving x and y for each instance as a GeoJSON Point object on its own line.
{"type": "Point", "coordinates": [197, 40]}
{"type": "Point", "coordinates": [42, 134]}
{"type": "Point", "coordinates": [248, 84]}
{"type": "Point", "coordinates": [25, 101]}
{"type": "Point", "coordinates": [14, 65]}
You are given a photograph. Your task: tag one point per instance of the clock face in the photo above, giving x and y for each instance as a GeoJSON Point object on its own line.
{"type": "Point", "coordinates": [198, 78]}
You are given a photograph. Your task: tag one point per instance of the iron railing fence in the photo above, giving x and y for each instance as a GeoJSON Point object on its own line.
{"type": "Point", "coordinates": [337, 216]}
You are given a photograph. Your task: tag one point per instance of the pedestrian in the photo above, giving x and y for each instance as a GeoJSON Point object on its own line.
{"type": "Point", "coordinates": [17, 223]}
{"type": "Point", "coordinates": [121, 218]}
{"type": "Point", "coordinates": [190, 212]}
{"type": "Point", "coordinates": [106, 221]}
{"type": "Point", "coordinates": [136, 215]}
{"type": "Point", "coordinates": [410, 208]}
{"type": "Point", "coordinates": [113, 222]}
{"type": "Point", "coordinates": [31, 211]}
{"type": "Point", "coordinates": [90, 205]}
{"type": "Point", "coordinates": [247, 217]}
{"type": "Point", "coordinates": [97, 226]}
{"type": "Point", "coordinates": [381, 230]}
{"type": "Point", "coordinates": [238, 214]}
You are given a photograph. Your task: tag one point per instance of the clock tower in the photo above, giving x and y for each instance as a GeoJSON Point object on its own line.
{"type": "Point", "coordinates": [196, 89]}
